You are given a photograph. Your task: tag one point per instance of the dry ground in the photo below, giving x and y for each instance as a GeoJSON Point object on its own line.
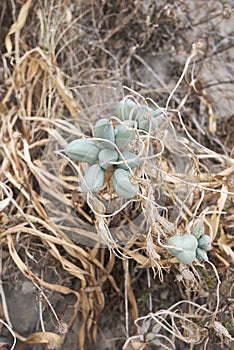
{"type": "Point", "coordinates": [65, 64]}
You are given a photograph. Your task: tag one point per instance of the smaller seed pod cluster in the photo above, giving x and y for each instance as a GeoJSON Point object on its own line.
{"type": "Point", "coordinates": [203, 240]}
{"type": "Point", "coordinates": [188, 247]}
{"type": "Point", "coordinates": [144, 116]}
{"type": "Point", "coordinates": [108, 152]}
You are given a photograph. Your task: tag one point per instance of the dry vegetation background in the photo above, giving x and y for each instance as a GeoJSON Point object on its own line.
{"type": "Point", "coordinates": [64, 64]}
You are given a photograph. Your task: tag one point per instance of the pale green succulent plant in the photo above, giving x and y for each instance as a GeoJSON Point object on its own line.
{"type": "Point", "coordinates": [190, 246]}
{"type": "Point", "coordinates": [106, 152]}
{"type": "Point", "coordinates": [110, 148]}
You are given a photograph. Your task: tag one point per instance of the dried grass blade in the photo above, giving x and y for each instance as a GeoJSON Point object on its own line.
{"type": "Point", "coordinates": [18, 25]}
{"type": "Point", "coordinates": [29, 274]}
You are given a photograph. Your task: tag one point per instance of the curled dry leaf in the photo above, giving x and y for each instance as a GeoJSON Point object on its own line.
{"type": "Point", "coordinates": [18, 25]}
{"type": "Point", "coordinates": [52, 340]}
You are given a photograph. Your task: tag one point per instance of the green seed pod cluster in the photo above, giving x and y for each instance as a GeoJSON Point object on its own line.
{"type": "Point", "coordinates": [109, 151]}
{"type": "Point", "coordinates": [110, 148]}
{"type": "Point", "coordinates": [190, 246]}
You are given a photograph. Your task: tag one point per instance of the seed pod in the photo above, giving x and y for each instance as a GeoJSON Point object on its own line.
{"type": "Point", "coordinates": [187, 245]}
{"type": "Point", "coordinates": [145, 112]}
{"type": "Point", "coordinates": [82, 150]}
{"type": "Point", "coordinates": [99, 127]}
{"type": "Point", "coordinates": [93, 179]}
{"type": "Point", "coordinates": [144, 125]}
{"type": "Point", "coordinates": [204, 242]}
{"type": "Point", "coordinates": [158, 112]}
{"type": "Point", "coordinates": [145, 118]}
{"type": "Point", "coordinates": [104, 129]}
{"type": "Point", "coordinates": [201, 254]}
{"type": "Point", "coordinates": [127, 156]}
{"type": "Point", "coordinates": [109, 133]}
{"type": "Point", "coordinates": [198, 231]}
{"type": "Point", "coordinates": [124, 133]}
{"type": "Point", "coordinates": [122, 184]}
{"type": "Point", "coordinates": [127, 109]}
{"type": "Point", "coordinates": [106, 156]}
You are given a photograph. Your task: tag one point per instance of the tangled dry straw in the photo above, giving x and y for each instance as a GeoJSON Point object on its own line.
{"type": "Point", "coordinates": [182, 183]}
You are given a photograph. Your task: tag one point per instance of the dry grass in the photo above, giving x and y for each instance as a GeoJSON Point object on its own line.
{"type": "Point", "coordinates": [63, 66]}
